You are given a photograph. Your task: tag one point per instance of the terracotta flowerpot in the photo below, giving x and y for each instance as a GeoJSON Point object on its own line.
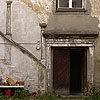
{"type": "Point", "coordinates": [8, 93]}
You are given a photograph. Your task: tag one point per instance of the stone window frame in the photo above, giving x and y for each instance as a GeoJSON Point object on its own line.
{"type": "Point", "coordinates": [85, 10]}
{"type": "Point", "coordinates": [70, 8]}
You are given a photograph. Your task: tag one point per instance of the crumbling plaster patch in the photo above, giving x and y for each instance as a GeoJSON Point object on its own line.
{"type": "Point", "coordinates": [41, 7]}
{"type": "Point", "coordinates": [95, 11]}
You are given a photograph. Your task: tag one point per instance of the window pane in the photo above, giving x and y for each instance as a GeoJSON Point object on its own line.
{"type": "Point", "coordinates": [63, 3]}
{"type": "Point", "coordinates": [77, 3]}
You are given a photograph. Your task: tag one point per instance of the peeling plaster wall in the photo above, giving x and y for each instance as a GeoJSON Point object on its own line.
{"type": "Point", "coordinates": [95, 12]}
{"type": "Point", "coordinates": [22, 68]}
{"type": "Point", "coordinates": [25, 27]}
{"type": "Point", "coordinates": [26, 31]}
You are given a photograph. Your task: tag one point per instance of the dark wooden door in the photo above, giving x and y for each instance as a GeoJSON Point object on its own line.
{"type": "Point", "coordinates": [61, 71]}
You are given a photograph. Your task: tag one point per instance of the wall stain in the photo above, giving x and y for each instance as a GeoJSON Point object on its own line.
{"type": "Point", "coordinates": [39, 6]}
{"type": "Point", "coordinates": [95, 11]}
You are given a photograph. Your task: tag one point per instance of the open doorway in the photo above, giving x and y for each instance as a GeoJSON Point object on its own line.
{"type": "Point", "coordinates": [76, 70]}
{"type": "Point", "coordinates": [69, 70]}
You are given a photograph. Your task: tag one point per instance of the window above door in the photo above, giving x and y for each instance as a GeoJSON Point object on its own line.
{"type": "Point", "coordinates": [71, 5]}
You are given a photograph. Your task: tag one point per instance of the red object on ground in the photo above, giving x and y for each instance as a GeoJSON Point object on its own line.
{"type": "Point", "coordinates": [35, 96]}
{"type": "Point", "coordinates": [8, 93]}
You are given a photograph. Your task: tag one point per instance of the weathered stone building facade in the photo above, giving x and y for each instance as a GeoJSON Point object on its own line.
{"type": "Point", "coordinates": [33, 35]}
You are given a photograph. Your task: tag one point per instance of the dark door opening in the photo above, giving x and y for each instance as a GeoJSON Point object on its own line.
{"type": "Point", "coordinates": [76, 71]}
{"type": "Point", "coordinates": [69, 70]}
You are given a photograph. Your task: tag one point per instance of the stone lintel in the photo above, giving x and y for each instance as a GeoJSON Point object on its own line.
{"type": "Point", "coordinates": [70, 34]}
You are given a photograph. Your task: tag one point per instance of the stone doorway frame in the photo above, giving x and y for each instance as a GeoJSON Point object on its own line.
{"type": "Point", "coordinates": [74, 42]}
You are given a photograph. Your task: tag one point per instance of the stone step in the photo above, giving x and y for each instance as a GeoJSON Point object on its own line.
{"type": "Point", "coordinates": [70, 99]}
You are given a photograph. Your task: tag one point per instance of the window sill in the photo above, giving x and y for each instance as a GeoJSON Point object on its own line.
{"type": "Point", "coordinates": [70, 10]}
